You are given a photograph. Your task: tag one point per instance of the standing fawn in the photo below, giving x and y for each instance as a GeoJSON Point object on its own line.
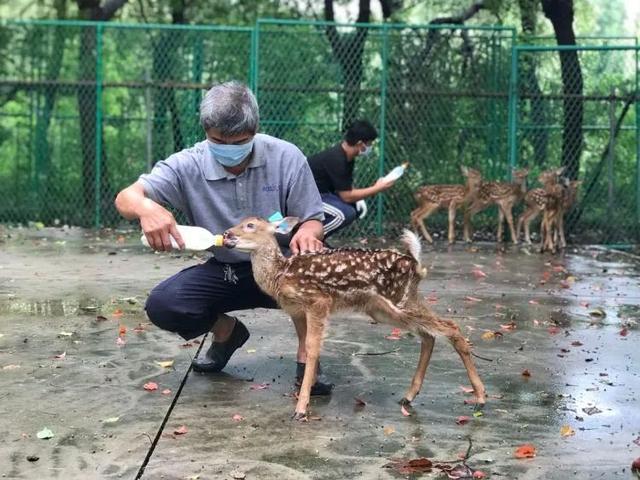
{"type": "Point", "coordinates": [560, 199]}
{"type": "Point", "coordinates": [535, 201]}
{"type": "Point", "coordinates": [381, 283]}
{"type": "Point", "coordinates": [431, 198]}
{"type": "Point", "coordinates": [503, 194]}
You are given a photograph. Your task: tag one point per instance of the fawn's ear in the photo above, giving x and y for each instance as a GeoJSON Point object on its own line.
{"type": "Point", "coordinates": [285, 225]}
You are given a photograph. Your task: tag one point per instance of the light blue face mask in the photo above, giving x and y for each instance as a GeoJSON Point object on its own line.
{"type": "Point", "coordinates": [367, 150]}
{"type": "Point", "coordinates": [230, 155]}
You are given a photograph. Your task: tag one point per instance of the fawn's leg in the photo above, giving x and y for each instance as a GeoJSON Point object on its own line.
{"type": "Point", "coordinates": [300, 323]}
{"type": "Point", "coordinates": [453, 206]}
{"type": "Point", "coordinates": [420, 215]}
{"type": "Point", "coordinates": [531, 216]}
{"type": "Point", "coordinates": [563, 241]}
{"type": "Point", "coordinates": [426, 348]}
{"type": "Point", "coordinates": [461, 345]}
{"type": "Point", "coordinates": [500, 222]}
{"type": "Point", "coordinates": [316, 315]}
{"type": "Point", "coordinates": [469, 213]}
{"type": "Point", "coordinates": [508, 212]}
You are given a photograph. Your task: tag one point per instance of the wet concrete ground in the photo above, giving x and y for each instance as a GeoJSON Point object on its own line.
{"type": "Point", "coordinates": [570, 321]}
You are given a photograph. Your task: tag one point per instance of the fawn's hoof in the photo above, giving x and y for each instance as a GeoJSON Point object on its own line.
{"type": "Point", "coordinates": [300, 416]}
{"type": "Point", "coordinates": [479, 406]}
{"type": "Point", "coordinates": [405, 402]}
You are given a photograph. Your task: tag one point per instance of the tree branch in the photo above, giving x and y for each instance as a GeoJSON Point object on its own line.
{"type": "Point", "coordinates": [110, 8]}
{"type": "Point", "coordinates": [463, 17]}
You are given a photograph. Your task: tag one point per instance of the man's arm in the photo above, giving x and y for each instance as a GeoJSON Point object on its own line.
{"type": "Point", "coordinates": [355, 194]}
{"type": "Point", "coordinates": [156, 221]}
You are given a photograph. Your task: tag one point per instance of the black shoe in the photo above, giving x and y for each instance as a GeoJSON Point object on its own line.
{"type": "Point", "coordinates": [219, 353]}
{"type": "Point", "coordinates": [321, 387]}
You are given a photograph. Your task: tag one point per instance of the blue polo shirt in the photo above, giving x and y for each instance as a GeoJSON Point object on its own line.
{"type": "Point", "coordinates": [277, 178]}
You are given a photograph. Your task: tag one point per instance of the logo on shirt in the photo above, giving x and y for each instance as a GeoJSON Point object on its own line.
{"type": "Point", "coordinates": [271, 188]}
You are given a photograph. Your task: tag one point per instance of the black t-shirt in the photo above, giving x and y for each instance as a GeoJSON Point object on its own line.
{"type": "Point", "coordinates": [331, 170]}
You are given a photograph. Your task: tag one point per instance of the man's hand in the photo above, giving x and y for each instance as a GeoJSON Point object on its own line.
{"type": "Point", "coordinates": [157, 224]}
{"type": "Point", "coordinates": [382, 184]}
{"type": "Point", "coordinates": [307, 238]}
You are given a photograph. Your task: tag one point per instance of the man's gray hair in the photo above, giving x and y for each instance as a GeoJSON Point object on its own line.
{"type": "Point", "coordinates": [231, 108]}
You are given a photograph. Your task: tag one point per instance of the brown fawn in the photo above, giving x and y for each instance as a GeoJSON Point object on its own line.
{"type": "Point", "coordinates": [503, 194]}
{"type": "Point", "coordinates": [560, 198]}
{"type": "Point", "coordinates": [431, 198]}
{"type": "Point", "coordinates": [380, 283]}
{"type": "Point", "coordinates": [535, 201]}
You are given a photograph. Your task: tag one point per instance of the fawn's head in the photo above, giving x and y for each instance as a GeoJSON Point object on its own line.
{"type": "Point", "coordinates": [520, 175]}
{"type": "Point", "coordinates": [252, 232]}
{"type": "Point", "coordinates": [550, 176]}
{"type": "Point", "coordinates": [474, 177]}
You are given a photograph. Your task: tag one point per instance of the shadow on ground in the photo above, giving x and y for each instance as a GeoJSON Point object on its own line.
{"type": "Point", "coordinates": [67, 296]}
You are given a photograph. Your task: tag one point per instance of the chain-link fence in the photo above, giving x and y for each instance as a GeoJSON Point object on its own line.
{"type": "Point", "coordinates": [578, 107]}
{"type": "Point", "coordinates": [85, 108]}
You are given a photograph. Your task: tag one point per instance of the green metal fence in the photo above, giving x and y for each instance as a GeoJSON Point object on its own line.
{"type": "Point", "coordinates": [86, 107]}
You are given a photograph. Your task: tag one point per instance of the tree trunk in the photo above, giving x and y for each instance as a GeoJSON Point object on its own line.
{"type": "Point", "coordinates": [87, 103]}
{"type": "Point", "coordinates": [538, 136]}
{"type": "Point", "coordinates": [560, 13]}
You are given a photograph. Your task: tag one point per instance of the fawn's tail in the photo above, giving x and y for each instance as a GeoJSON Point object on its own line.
{"type": "Point", "coordinates": [412, 243]}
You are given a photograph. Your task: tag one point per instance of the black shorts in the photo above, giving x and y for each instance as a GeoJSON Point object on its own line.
{"type": "Point", "coordinates": [188, 302]}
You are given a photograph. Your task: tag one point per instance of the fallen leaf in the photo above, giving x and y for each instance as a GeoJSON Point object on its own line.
{"type": "Point", "coordinates": [238, 475]}
{"type": "Point", "coordinates": [395, 334]}
{"type": "Point", "coordinates": [478, 274]}
{"type": "Point", "coordinates": [635, 466]}
{"type": "Point", "coordinates": [567, 431]}
{"type": "Point", "coordinates": [65, 334]}
{"type": "Point", "coordinates": [237, 418]}
{"type": "Point", "coordinates": [404, 411]}
{"type": "Point", "coordinates": [33, 458]}
{"type": "Point", "coordinates": [111, 420]}
{"type": "Point", "coordinates": [388, 430]}
{"type": "Point", "coordinates": [576, 344]}
{"type": "Point", "coordinates": [121, 342]}
{"type": "Point", "coordinates": [262, 386]}
{"type": "Point", "coordinates": [637, 441]}
{"type": "Point", "coordinates": [472, 299]}
{"type": "Point", "coordinates": [139, 329]}
{"type": "Point", "coordinates": [407, 467]}
{"type": "Point", "coordinates": [359, 402]}
{"type": "Point", "coordinates": [488, 335]}
{"type": "Point", "coordinates": [45, 434]}
{"type": "Point", "coordinates": [624, 332]}
{"type": "Point", "coordinates": [117, 313]}
{"type": "Point", "coordinates": [166, 363]}
{"type": "Point", "coordinates": [166, 391]}
{"type": "Point", "coordinates": [525, 451]}
{"type": "Point", "coordinates": [101, 318]}
{"type": "Point", "coordinates": [10, 367]}
{"type": "Point", "coordinates": [479, 474]}
{"type": "Point", "coordinates": [187, 345]}
{"type": "Point", "coordinates": [553, 330]}
{"type": "Point", "coordinates": [122, 330]}
{"type": "Point", "coordinates": [463, 419]}
{"type": "Point", "coordinates": [591, 410]}
{"type": "Point", "coordinates": [584, 304]}
{"type": "Point", "coordinates": [509, 326]}
{"type": "Point", "coordinates": [478, 414]}
{"type": "Point", "coordinates": [598, 312]}
{"type": "Point", "coordinates": [150, 386]}
{"type": "Point", "coordinates": [466, 389]}
{"type": "Point", "coordinates": [432, 299]}
{"type": "Point", "coordinates": [526, 373]}
{"type": "Point", "coordinates": [180, 430]}
{"type": "Point", "coordinates": [61, 356]}
{"type": "Point", "coordinates": [534, 302]}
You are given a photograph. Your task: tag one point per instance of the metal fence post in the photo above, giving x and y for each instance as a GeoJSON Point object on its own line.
{"type": "Point", "coordinates": [637, 105]}
{"type": "Point", "coordinates": [254, 60]}
{"type": "Point", "coordinates": [383, 114]}
{"type": "Point", "coordinates": [98, 171]}
{"type": "Point", "coordinates": [513, 110]}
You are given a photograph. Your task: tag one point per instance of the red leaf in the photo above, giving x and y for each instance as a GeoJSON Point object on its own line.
{"type": "Point", "coordinates": [101, 318]}
{"type": "Point", "coordinates": [139, 329]}
{"type": "Point", "coordinates": [359, 402]}
{"type": "Point", "coordinates": [624, 332]}
{"type": "Point", "coordinates": [431, 299]}
{"type": "Point", "coordinates": [118, 313]}
{"type": "Point", "coordinates": [237, 418]}
{"type": "Point", "coordinates": [637, 441]}
{"type": "Point", "coordinates": [395, 334]}
{"type": "Point", "coordinates": [151, 386]}
{"type": "Point", "coordinates": [180, 430]}
{"type": "Point", "coordinates": [461, 420]}
{"type": "Point", "coordinates": [472, 299]}
{"type": "Point", "coordinates": [466, 389]}
{"type": "Point", "coordinates": [120, 342]}
{"type": "Point", "coordinates": [635, 466]}
{"type": "Point", "coordinates": [479, 474]}
{"type": "Point", "coordinates": [122, 330]}
{"type": "Point", "coordinates": [584, 304]}
{"type": "Point", "coordinates": [407, 467]}
{"type": "Point", "coordinates": [166, 391]}
{"type": "Point", "coordinates": [509, 326]}
{"type": "Point", "coordinates": [526, 373]}
{"type": "Point", "coordinates": [576, 343]}
{"type": "Point", "coordinates": [187, 345]}
{"type": "Point", "coordinates": [534, 302]}
{"type": "Point", "coordinates": [525, 451]}
{"type": "Point", "coordinates": [478, 274]}
{"type": "Point", "coordinates": [61, 356]}
{"type": "Point", "coordinates": [553, 330]}
{"type": "Point", "coordinates": [262, 386]}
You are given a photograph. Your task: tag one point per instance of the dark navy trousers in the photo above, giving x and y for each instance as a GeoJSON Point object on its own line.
{"type": "Point", "coordinates": [188, 302]}
{"type": "Point", "coordinates": [337, 213]}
